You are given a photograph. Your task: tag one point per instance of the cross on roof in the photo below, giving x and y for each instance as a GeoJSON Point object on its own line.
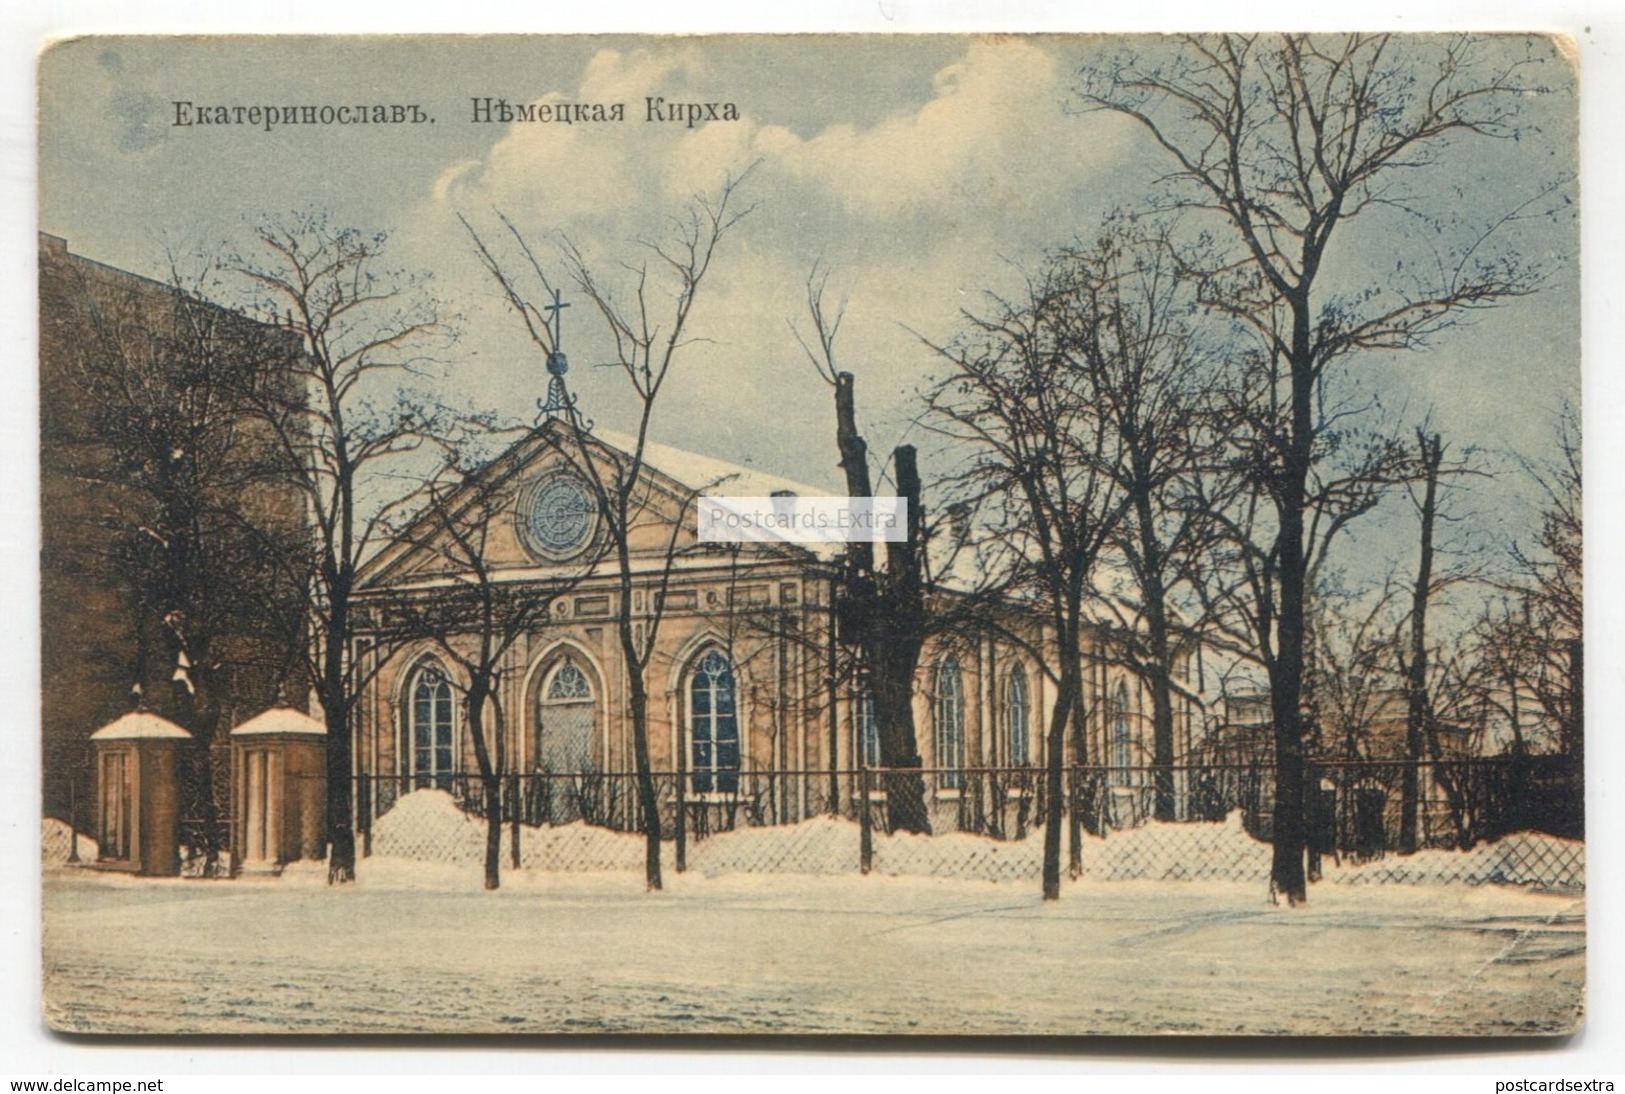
{"type": "Point", "coordinates": [555, 307]}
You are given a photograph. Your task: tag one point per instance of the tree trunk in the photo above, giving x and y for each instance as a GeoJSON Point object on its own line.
{"type": "Point", "coordinates": [1287, 876]}
{"type": "Point", "coordinates": [1055, 767]}
{"type": "Point", "coordinates": [493, 830]}
{"type": "Point", "coordinates": [884, 616]}
{"type": "Point", "coordinates": [1080, 756]}
{"type": "Point", "coordinates": [490, 778]}
{"type": "Point", "coordinates": [1162, 704]}
{"type": "Point", "coordinates": [648, 801]}
{"type": "Point", "coordinates": [898, 635]}
{"type": "Point", "coordinates": [1053, 781]}
{"type": "Point", "coordinates": [1416, 681]}
{"type": "Point", "coordinates": [891, 683]}
{"type": "Point", "coordinates": [336, 706]}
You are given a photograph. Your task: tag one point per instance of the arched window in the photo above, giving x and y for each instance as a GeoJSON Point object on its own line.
{"type": "Point", "coordinates": [431, 717]}
{"type": "Point", "coordinates": [713, 725]}
{"type": "Point", "coordinates": [868, 731]}
{"type": "Point", "coordinates": [950, 724]}
{"type": "Point", "coordinates": [1122, 733]}
{"type": "Point", "coordinates": [1017, 716]}
{"type": "Point", "coordinates": [564, 721]}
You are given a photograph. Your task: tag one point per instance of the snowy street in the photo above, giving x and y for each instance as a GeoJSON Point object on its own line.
{"type": "Point", "coordinates": [417, 947]}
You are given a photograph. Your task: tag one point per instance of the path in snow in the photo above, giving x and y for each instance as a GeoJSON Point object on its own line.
{"type": "Point", "coordinates": [782, 954]}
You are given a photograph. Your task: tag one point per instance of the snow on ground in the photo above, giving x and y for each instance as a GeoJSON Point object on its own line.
{"type": "Point", "coordinates": [56, 843]}
{"type": "Point", "coordinates": [428, 826]}
{"type": "Point", "coordinates": [419, 946]}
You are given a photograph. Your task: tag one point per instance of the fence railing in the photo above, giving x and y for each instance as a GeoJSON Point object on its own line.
{"type": "Point", "coordinates": [1188, 821]}
{"type": "Point", "coordinates": [1364, 819]}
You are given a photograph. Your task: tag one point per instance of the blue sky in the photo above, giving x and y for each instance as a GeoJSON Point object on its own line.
{"type": "Point", "coordinates": [921, 172]}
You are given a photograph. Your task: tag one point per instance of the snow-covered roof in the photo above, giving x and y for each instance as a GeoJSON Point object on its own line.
{"type": "Point", "coordinates": [140, 725]}
{"type": "Point", "coordinates": [280, 720]}
{"type": "Point", "coordinates": [703, 472]}
{"type": "Point", "coordinates": [719, 478]}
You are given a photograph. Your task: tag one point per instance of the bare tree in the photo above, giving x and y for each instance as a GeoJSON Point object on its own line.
{"type": "Point", "coordinates": [182, 473]}
{"type": "Point", "coordinates": [882, 610]}
{"type": "Point", "coordinates": [342, 421]}
{"type": "Point", "coordinates": [1039, 454]}
{"type": "Point", "coordinates": [1417, 653]}
{"type": "Point", "coordinates": [1351, 671]}
{"type": "Point", "coordinates": [1124, 314]}
{"type": "Point", "coordinates": [1288, 144]}
{"type": "Point", "coordinates": [648, 328]}
{"type": "Point", "coordinates": [1552, 587]}
{"type": "Point", "coordinates": [474, 615]}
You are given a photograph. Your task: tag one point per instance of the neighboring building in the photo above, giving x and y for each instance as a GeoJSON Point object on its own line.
{"type": "Point", "coordinates": [747, 698]}
{"type": "Point", "coordinates": [106, 624]}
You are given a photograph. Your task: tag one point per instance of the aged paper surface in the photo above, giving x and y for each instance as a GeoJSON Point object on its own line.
{"type": "Point", "coordinates": [1224, 677]}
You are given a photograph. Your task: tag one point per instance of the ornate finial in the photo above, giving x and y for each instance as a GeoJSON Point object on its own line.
{"type": "Point", "coordinates": [138, 697]}
{"type": "Point", "coordinates": [558, 400]}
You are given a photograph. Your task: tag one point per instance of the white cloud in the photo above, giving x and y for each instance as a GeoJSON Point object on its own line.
{"type": "Point", "coordinates": [915, 212]}
{"type": "Point", "coordinates": [993, 136]}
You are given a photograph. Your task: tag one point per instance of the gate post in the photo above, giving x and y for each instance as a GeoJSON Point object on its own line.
{"type": "Point", "coordinates": [513, 820]}
{"type": "Point", "coordinates": [279, 790]}
{"type": "Point", "coordinates": [138, 794]}
{"type": "Point", "coordinates": [682, 818]}
{"type": "Point", "coordinates": [866, 835]}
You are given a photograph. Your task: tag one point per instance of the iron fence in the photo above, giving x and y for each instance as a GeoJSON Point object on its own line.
{"type": "Point", "coordinates": [1512, 819]}
{"type": "Point", "coordinates": [990, 823]}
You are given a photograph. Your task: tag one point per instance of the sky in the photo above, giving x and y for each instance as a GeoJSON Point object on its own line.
{"type": "Point", "coordinates": [119, 205]}
{"type": "Point", "coordinates": [922, 173]}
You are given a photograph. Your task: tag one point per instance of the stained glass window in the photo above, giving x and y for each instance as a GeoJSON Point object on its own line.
{"type": "Point", "coordinates": [1018, 714]}
{"type": "Point", "coordinates": [1122, 736]}
{"type": "Point", "coordinates": [431, 721]}
{"type": "Point", "coordinates": [950, 724]}
{"type": "Point", "coordinates": [868, 731]}
{"type": "Point", "coordinates": [713, 726]}
{"type": "Point", "coordinates": [565, 721]}
{"type": "Point", "coordinates": [569, 682]}
{"type": "Point", "coordinates": [559, 518]}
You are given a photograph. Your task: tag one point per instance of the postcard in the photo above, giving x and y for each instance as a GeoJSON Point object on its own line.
{"type": "Point", "coordinates": [883, 534]}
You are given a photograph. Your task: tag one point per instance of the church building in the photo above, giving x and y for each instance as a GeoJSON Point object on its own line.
{"type": "Point", "coordinates": [751, 698]}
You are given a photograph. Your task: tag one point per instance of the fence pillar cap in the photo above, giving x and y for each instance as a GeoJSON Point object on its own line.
{"type": "Point", "coordinates": [140, 725]}
{"type": "Point", "coordinates": [281, 720]}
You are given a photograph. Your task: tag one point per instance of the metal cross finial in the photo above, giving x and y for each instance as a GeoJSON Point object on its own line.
{"type": "Point", "coordinates": [558, 400]}
{"type": "Point", "coordinates": [555, 307]}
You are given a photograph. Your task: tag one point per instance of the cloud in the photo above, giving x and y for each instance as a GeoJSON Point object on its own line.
{"type": "Point", "coordinates": [993, 136]}
{"type": "Point", "coordinates": [917, 211]}
{"type": "Point", "coordinates": [992, 139]}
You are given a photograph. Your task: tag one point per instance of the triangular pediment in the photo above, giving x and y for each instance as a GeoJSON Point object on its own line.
{"type": "Point", "coordinates": [535, 512]}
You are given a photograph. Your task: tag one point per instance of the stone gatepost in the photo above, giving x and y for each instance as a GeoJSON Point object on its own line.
{"type": "Point", "coordinates": [279, 790]}
{"type": "Point", "coordinates": [138, 794]}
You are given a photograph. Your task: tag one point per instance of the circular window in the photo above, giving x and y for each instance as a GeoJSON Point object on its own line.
{"type": "Point", "coordinates": [557, 517]}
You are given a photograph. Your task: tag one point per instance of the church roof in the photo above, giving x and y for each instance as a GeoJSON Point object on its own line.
{"type": "Point", "coordinates": [704, 472]}
{"type": "Point", "coordinates": [140, 725]}
{"type": "Point", "coordinates": [681, 471]}
{"type": "Point", "coordinates": [280, 720]}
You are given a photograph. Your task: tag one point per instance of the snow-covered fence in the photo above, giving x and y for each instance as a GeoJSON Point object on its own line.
{"type": "Point", "coordinates": [430, 826]}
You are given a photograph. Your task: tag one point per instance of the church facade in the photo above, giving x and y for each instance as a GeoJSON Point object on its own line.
{"type": "Point", "coordinates": [750, 694]}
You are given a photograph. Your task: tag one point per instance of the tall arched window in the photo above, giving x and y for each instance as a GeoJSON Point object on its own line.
{"type": "Point", "coordinates": [868, 731]}
{"type": "Point", "coordinates": [713, 725]}
{"type": "Point", "coordinates": [950, 724]}
{"type": "Point", "coordinates": [1018, 716]}
{"type": "Point", "coordinates": [564, 721]}
{"type": "Point", "coordinates": [1122, 733]}
{"type": "Point", "coordinates": [431, 718]}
